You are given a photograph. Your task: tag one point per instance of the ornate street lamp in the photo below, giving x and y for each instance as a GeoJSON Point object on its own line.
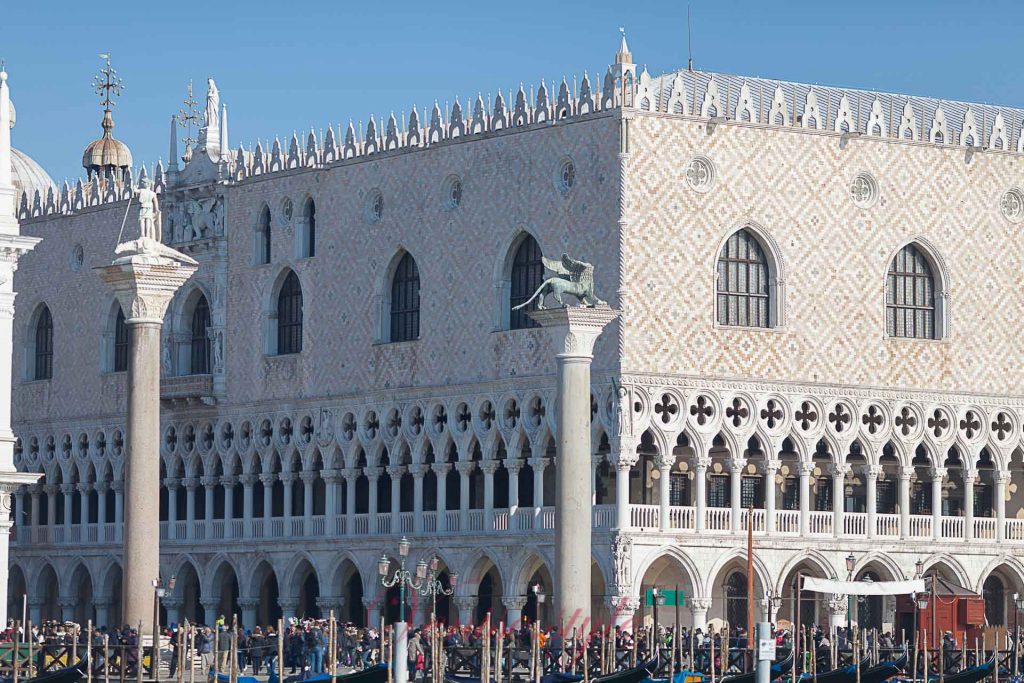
{"type": "Point", "coordinates": [538, 592]}
{"type": "Point", "coordinates": [159, 591]}
{"type": "Point", "coordinates": [432, 586]}
{"type": "Point", "coordinates": [851, 562]}
{"type": "Point", "coordinates": [1018, 605]}
{"type": "Point", "coordinates": [401, 578]}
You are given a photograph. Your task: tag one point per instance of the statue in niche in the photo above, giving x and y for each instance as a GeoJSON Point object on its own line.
{"type": "Point", "coordinates": [622, 551]}
{"type": "Point", "coordinates": [217, 216]}
{"type": "Point", "coordinates": [196, 219]}
{"type": "Point", "coordinates": [572, 277]}
{"type": "Point", "coordinates": [218, 351]}
{"type": "Point", "coordinates": [165, 358]}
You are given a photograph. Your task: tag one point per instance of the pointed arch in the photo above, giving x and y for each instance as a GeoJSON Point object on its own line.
{"type": "Point", "coordinates": [398, 300]}
{"type": "Point", "coordinates": [283, 315]}
{"type": "Point", "coordinates": [114, 340]}
{"type": "Point", "coordinates": [749, 279]}
{"type": "Point", "coordinates": [262, 237]}
{"type": "Point", "coordinates": [305, 235]}
{"type": "Point", "coordinates": [38, 345]}
{"type": "Point", "coordinates": [518, 274]}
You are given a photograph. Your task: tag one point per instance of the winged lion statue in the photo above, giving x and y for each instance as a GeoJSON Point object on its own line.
{"type": "Point", "coordinates": [572, 277]}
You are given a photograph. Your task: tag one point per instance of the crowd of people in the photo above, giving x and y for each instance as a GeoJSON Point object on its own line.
{"type": "Point", "coordinates": [305, 646]}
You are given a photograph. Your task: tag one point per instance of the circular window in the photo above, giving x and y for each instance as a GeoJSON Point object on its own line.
{"type": "Point", "coordinates": [863, 190]}
{"type": "Point", "coordinates": [77, 257]}
{"type": "Point", "coordinates": [565, 176]}
{"type": "Point", "coordinates": [700, 174]}
{"type": "Point", "coordinates": [1012, 205]}
{"type": "Point", "coordinates": [286, 211]}
{"type": "Point", "coordinates": [374, 207]}
{"type": "Point", "coordinates": [452, 192]}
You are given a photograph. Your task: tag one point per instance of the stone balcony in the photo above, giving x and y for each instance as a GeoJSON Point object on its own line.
{"type": "Point", "coordinates": [644, 519]}
{"type": "Point", "coordinates": [187, 390]}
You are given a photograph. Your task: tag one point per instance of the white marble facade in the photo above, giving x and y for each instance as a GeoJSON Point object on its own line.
{"type": "Point", "coordinates": [286, 474]}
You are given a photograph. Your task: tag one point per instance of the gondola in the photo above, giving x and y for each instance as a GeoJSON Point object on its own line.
{"type": "Point", "coordinates": [972, 674]}
{"type": "Point", "coordinates": [374, 674]}
{"type": "Point", "coordinates": [69, 674]}
{"type": "Point", "coordinates": [555, 677]}
{"type": "Point", "coordinates": [633, 675]}
{"type": "Point", "coordinates": [844, 674]}
{"type": "Point", "coordinates": [778, 669]}
{"type": "Point", "coordinates": [883, 671]}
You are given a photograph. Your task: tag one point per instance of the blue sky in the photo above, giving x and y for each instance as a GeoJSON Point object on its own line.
{"type": "Point", "coordinates": [289, 65]}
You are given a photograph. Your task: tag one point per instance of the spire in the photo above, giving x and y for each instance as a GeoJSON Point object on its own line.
{"type": "Point", "coordinates": [106, 156]}
{"type": "Point", "coordinates": [225, 148]}
{"type": "Point", "coordinates": [172, 163]}
{"type": "Point", "coordinates": [187, 118]}
{"type": "Point", "coordinates": [623, 56]}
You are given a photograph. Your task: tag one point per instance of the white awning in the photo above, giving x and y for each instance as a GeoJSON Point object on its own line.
{"type": "Point", "coordinates": [863, 587]}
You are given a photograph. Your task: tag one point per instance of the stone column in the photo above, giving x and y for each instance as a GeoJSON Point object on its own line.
{"type": "Point", "coordinates": [102, 488]}
{"type": "Point", "coordinates": [441, 473]}
{"type": "Point", "coordinates": [332, 481]}
{"type": "Point", "coordinates": [699, 608]}
{"type": "Point", "coordinates": [288, 607]}
{"type": "Point", "coordinates": [67, 603]}
{"type": "Point", "coordinates": [68, 491]}
{"type": "Point", "coordinates": [372, 606]}
{"type": "Point", "coordinates": [102, 606]}
{"type": "Point", "coordinates": [209, 483]}
{"type": "Point", "coordinates": [287, 479]}
{"type": "Point", "coordinates": [249, 607]}
{"type": "Point", "coordinates": [35, 610]}
{"type": "Point", "coordinates": [143, 284]}
{"type": "Point", "coordinates": [489, 467]}
{"type": "Point", "coordinates": [33, 490]}
{"type": "Point", "coordinates": [595, 463]}
{"type": "Point", "coordinates": [664, 489]}
{"type": "Point", "coordinates": [118, 487]}
{"type": "Point", "coordinates": [228, 482]}
{"type": "Point", "coordinates": [173, 605]}
{"type": "Point", "coordinates": [513, 467]}
{"type": "Point", "coordinates": [465, 605]}
{"type": "Point", "coordinates": [331, 603]}
{"type": "Point", "coordinates": [12, 247]}
{"type": "Point", "coordinates": [538, 463]}
{"type": "Point", "coordinates": [268, 479]}
{"type": "Point", "coordinates": [514, 610]}
{"type": "Point", "coordinates": [248, 482]}
{"type": "Point", "coordinates": [172, 504]}
{"type": "Point", "coordinates": [418, 471]}
{"type": "Point", "coordinates": [395, 472]}
{"type": "Point", "coordinates": [871, 473]}
{"type": "Point", "coordinates": [805, 469]}
{"type": "Point", "coordinates": [465, 467]}
{"type": "Point", "coordinates": [83, 506]}
{"type": "Point", "coordinates": [771, 467]}
{"type": "Point", "coordinates": [839, 472]}
{"type": "Point", "coordinates": [623, 464]}
{"type": "Point", "coordinates": [736, 466]}
{"type": "Point", "coordinates": [1002, 479]}
{"type": "Point", "coordinates": [211, 609]}
{"type": "Point", "coordinates": [372, 475]}
{"type": "Point", "coordinates": [51, 504]}
{"type": "Point", "coordinates": [351, 474]}
{"type": "Point", "coordinates": [938, 474]}
{"type": "Point", "coordinates": [700, 487]}
{"type": "Point", "coordinates": [905, 474]}
{"type": "Point", "coordinates": [573, 331]}
{"type": "Point", "coordinates": [970, 476]}
{"type": "Point", "coordinates": [837, 611]}
{"type": "Point", "coordinates": [308, 480]}
{"type": "Point", "coordinates": [191, 484]}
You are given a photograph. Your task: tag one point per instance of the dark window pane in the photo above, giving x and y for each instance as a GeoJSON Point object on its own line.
{"type": "Point", "coordinates": [405, 301]}
{"type": "Point", "coordinates": [44, 345]}
{"type": "Point", "coordinates": [911, 299]}
{"type": "Point", "coordinates": [527, 276]}
{"type": "Point", "coordinates": [120, 342]}
{"type": "Point", "coordinates": [743, 288]}
{"type": "Point", "coordinates": [289, 316]}
{"type": "Point", "coordinates": [200, 338]}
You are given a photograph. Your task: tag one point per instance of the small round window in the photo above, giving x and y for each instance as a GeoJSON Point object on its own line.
{"type": "Point", "coordinates": [700, 174]}
{"type": "Point", "coordinates": [565, 176]}
{"type": "Point", "coordinates": [286, 211]}
{"type": "Point", "coordinates": [374, 207]}
{"type": "Point", "coordinates": [864, 190]}
{"type": "Point", "coordinates": [451, 195]}
{"type": "Point", "coordinates": [1012, 205]}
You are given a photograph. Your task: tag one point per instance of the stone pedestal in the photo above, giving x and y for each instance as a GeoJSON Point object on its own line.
{"type": "Point", "coordinates": [573, 333]}
{"type": "Point", "coordinates": [143, 284]}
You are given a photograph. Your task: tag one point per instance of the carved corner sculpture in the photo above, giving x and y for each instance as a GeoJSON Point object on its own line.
{"type": "Point", "coordinates": [148, 244]}
{"type": "Point", "coordinates": [573, 277]}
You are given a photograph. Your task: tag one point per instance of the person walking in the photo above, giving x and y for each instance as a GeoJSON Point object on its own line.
{"type": "Point", "coordinates": [204, 646]}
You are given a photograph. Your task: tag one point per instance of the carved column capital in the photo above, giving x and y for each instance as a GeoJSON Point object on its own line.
{"type": "Point", "coordinates": [906, 473]}
{"type": "Point", "coordinates": [489, 467]}
{"type": "Point", "coordinates": [309, 477]}
{"type": "Point", "coordinates": [939, 473]}
{"type": "Point", "coordinates": [144, 285]}
{"type": "Point", "coordinates": [249, 479]}
{"type": "Point", "coordinates": [67, 489]}
{"type": "Point", "coordinates": [209, 480]}
{"type": "Point", "coordinates": [440, 468]}
{"type": "Point", "coordinates": [395, 471]}
{"type": "Point", "coordinates": [841, 469]}
{"type": "Point", "coordinates": [333, 476]}
{"type": "Point", "coordinates": [516, 602]}
{"type": "Point", "coordinates": [574, 329]}
{"type": "Point", "coordinates": [84, 487]}
{"type": "Point", "coordinates": [873, 471]}
{"type": "Point", "coordinates": [268, 478]}
{"type": "Point", "coordinates": [117, 486]}
{"type": "Point", "coordinates": [229, 481]}
{"type": "Point", "coordinates": [700, 604]}
{"type": "Point", "coordinates": [172, 483]}
{"type": "Point", "coordinates": [465, 467]}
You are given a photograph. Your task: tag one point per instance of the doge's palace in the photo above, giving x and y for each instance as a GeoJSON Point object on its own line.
{"type": "Point", "coordinates": [819, 292]}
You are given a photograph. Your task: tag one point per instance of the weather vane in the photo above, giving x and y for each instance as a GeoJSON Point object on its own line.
{"type": "Point", "coordinates": [187, 118]}
{"type": "Point", "coordinates": [107, 84]}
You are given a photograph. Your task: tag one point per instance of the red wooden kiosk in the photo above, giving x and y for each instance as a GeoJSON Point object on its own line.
{"type": "Point", "coordinates": [945, 606]}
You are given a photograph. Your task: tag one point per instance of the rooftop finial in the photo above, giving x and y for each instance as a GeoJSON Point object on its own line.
{"type": "Point", "coordinates": [108, 85]}
{"type": "Point", "coordinates": [188, 118]}
{"type": "Point", "coordinates": [623, 56]}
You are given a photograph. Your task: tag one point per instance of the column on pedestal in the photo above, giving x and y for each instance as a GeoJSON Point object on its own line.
{"type": "Point", "coordinates": [489, 467]}
{"type": "Point", "coordinates": [905, 474]}
{"type": "Point", "coordinates": [871, 473]}
{"type": "Point", "coordinates": [938, 474]}
{"type": "Point", "coordinates": [736, 466]}
{"type": "Point", "coordinates": [418, 472]}
{"type": "Point", "coordinates": [1002, 479]}
{"type": "Point", "coordinates": [805, 469]}
{"type": "Point", "coordinates": [839, 472]}
{"type": "Point", "coordinates": [440, 470]}
{"type": "Point", "coordinates": [700, 483]}
{"type": "Point", "coordinates": [771, 469]}
{"type": "Point", "coordinates": [970, 477]}
{"type": "Point", "coordinates": [665, 463]}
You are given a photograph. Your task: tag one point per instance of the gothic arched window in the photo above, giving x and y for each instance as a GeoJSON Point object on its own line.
{"type": "Point", "coordinates": [527, 275]}
{"type": "Point", "coordinates": [263, 237]}
{"type": "Point", "coordinates": [120, 342]}
{"type": "Point", "coordinates": [910, 296]}
{"type": "Point", "coordinates": [289, 315]}
{"type": "Point", "coordinates": [44, 345]}
{"type": "Point", "coordinates": [200, 339]}
{"type": "Point", "coordinates": [743, 283]}
{"type": "Point", "coordinates": [736, 598]}
{"type": "Point", "coordinates": [405, 301]}
{"type": "Point", "coordinates": [994, 593]}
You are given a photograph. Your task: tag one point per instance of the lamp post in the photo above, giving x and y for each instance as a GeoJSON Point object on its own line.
{"type": "Point", "coordinates": [538, 593]}
{"type": "Point", "coordinates": [851, 562]}
{"type": "Point", "coordinates": [159, 591]}
{"type": "Point", "coordinates": [658, 599]}
{"type": "Point", "coordinates": [401, 578]}
{"type": "Point", "coordinates": [774, 602]}
{"type": "Point", "coordinates": [919, 600]}
{"type": "Point", "coordinates": [433, 587]}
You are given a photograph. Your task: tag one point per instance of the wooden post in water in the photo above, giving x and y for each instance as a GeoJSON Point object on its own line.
{"type": "Point", "coordinates": [191, 646]}
{"type": "Point", "coordinates": [180, 652]}
{"type": "Point", "coordinates": [88, 652]}
{"type": "Point", "coordinates": [913, 675]}
{"type": "Point", "coordinates": [280, 649]}
{"type": "Point", "coordinates": [711, 654]}
{"type": "Point", "coordinates": [31, 643]}
{"type": "Point", "coordinates": [16, 652]}
{"type": "Point", "coordinates": [106, 658]}
{"type": "Point", "coordinates": [138, 655]}
{"type": "Point", "coordinates": [233, 664]}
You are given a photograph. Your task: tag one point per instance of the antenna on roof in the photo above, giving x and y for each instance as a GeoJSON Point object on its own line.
{"type": "Point", "coordinates": [689, 41]}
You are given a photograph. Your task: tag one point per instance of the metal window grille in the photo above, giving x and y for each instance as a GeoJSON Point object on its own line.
{"type": "Point", "coordinates": [44, 345]}
{"type": "Point", "coordinates": [120, 342]}
{"type": "Point", "coordinates": [679, 489]}
{"type": "Point", "coordinates": [405, 301]}
{"type": "Point", "coordinates": [289, 316]}
{"type": "Point", "coordinates": [750, 492]}
{"type": "Point", "coordinates": [885, 497]}
{"type": "Point", "coordinates": [200, 339]}
{"type": "Point", "coordinates": [311, 229]}
{"type": "Point", "coordinates": [910, 296]}
{"type": "Point", "coordinates": [265, 236]}
{"type": "Point", "coordinates": [743, 297]}
{"type": "Point", "coordinates": [527, 275]}
{"type": "Point", "coordinates": [718, 491]}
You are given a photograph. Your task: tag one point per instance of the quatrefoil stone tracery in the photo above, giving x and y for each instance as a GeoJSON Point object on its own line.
{"type": "Point", "coordinates": [938, 423]}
